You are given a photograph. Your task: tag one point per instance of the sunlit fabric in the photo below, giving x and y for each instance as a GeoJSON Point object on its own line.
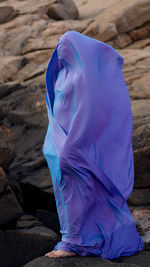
{"type": "Point", "coordinates": [88, 148]}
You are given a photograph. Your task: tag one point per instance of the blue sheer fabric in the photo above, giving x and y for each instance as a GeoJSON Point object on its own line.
{"type": "Point", "coordinates": [88, 148]}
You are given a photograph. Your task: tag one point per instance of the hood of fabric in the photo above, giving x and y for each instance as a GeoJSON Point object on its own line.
{"type": "Point", "coordinates": [88, 86]}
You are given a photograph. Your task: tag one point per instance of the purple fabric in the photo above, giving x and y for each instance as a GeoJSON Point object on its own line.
{"type": "Point", "coordinates": [88, 148]}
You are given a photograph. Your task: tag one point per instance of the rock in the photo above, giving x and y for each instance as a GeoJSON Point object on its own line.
{"type": "Point", "coordinates": [6, 257]}
{"type": "Point", "coordinates": [30, 164]}
{"type": "Point", "coordinates": [62, 9]}
{"type": "Point", "coordinates": [3, 180]}
{"type": "Point", "coordinates": [6, 147]}
{"type": "Point", "coordinates": [7, 13]}
{"type": "Point", "coordinates": [142, 33]}
{"type": "Point", "coordinates": [92, 30]}
{"type": "Point", "coordinates": [61, 27]}
{"type": "Point", "coordinates": [36, 65]}
{"type": "Point", "coordinates": [141, 137]}
{"type": "Point", "coordinates": [75, 262]}
{"type": "Point", "coordinates": [27, 221]}
{"type": "Point", "coordinates": [49, 219]}
{"type": "Point", "coordinates": [133, 16]}
{"type": "Point", "coordinates": [136, 72]}
{"type": "Point", "coordinates": [11, 65]}
{"type": "Point", "coordinates": [18, 116]}
{"type": "Point", "coordinates": [141, 215]}
{"type": "Point", "coordinates": [141, 112]}
{"type": "Point", "coordinates": [123, 40]}
{"type": "Point", "coordinates": [37, 50]}
{"type": "Point", "coordinates": [21, 246]}
{"type": "Point", "coordinates": [144, 44]}
{"type": "Point", "coordinates": [9, 87]}
{"type": "Point", "coordinates": [146, 240]}
{"type": "Point", "coordinates": [29, 167]}
{"type": "Point", "coordinates": [141, 259]}
{"type": "Point", "coordinates": [26, 217]}
{"type": "Point", "coordinates": [26, 106]}
{"type": "Point", "coordinates": [43, 198]}
{"type": "Point", "coordinates": [40, 70]}
{"type": "Point", "coordinates": [15, 185]}
{"type": "Point", "coordinates": [35, 44]}
{"type": "Point", "coordinates": [141, 145]}
{"type": "Point", "coordinates": [38, 81]}
{"type": "Point", "coordinates": [14, 41]}
{"type": "Point", "coordinates": [104, 32]}
{"type": "Point", "coordinates": [142, 167]}
{"type": "Point", "coordinates": [119, 26]}
{"type": "Point", "coordinates": [139, 197]}
{"type": "Point", "coordinates": [143, 227]}
{"type": "Point", "coordinates": [9, 206]}
{"type": "Point", "coordinates": [25, 9]}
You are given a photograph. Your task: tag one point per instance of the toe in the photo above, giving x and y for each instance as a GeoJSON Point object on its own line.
{"type": "Point", "coordinates": [49, 254]}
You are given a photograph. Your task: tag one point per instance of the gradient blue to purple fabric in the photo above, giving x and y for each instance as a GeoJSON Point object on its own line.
{"type": "Point", "coordinates": [88, 148]}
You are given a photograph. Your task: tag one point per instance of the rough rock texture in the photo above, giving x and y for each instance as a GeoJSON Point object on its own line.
{"type": "Point", "coordinates": [7, 13]}
{"type": "Point", "coordinates": [117, 23]}
{"type": "Point", "coordinates": [141, 259]}
{"type": "Point", "coordinates": [29, 32]}
{"type": "Point", "coordinates": [141, 216]}
{"type": "Point", "coordinates": [7, 147]}
{"type": "Point", "coordinates": [62, 9]}
{"type": "Point", "coordinates": [9, 206]}
{"type": "Point", "coordinates": [22, 245]}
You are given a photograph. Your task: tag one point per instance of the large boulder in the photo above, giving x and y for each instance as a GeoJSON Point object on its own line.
{"type": "Point", "coordinates": [76, 261]}
{"type": "Point", "coordinates": [133, 16]}
{"type": "Point", "coordinates": [62, 9]}
{"type": "Point", "coordinates": [17, 247]}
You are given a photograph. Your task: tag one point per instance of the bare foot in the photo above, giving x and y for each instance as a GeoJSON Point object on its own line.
{"type": "Point", "coordinates": [60, 253]}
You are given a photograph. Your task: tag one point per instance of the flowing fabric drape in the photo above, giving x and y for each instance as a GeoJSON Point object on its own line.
{"type": "Point", "coordinates": [88, 148]}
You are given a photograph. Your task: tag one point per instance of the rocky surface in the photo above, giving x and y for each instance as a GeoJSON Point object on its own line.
{"type": "Point", "coordinates": [29, 32]}
{"type": "Point", "coordinates": [7, 13]}
{"type": "Point", "coordinates": [139, 260]}
{"type": "Point", "coordinates": [62, 9]}
{"type": "Point", "coordinates": [9, 206]}
{"type": "Point", "coordinates": [21, 245]}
